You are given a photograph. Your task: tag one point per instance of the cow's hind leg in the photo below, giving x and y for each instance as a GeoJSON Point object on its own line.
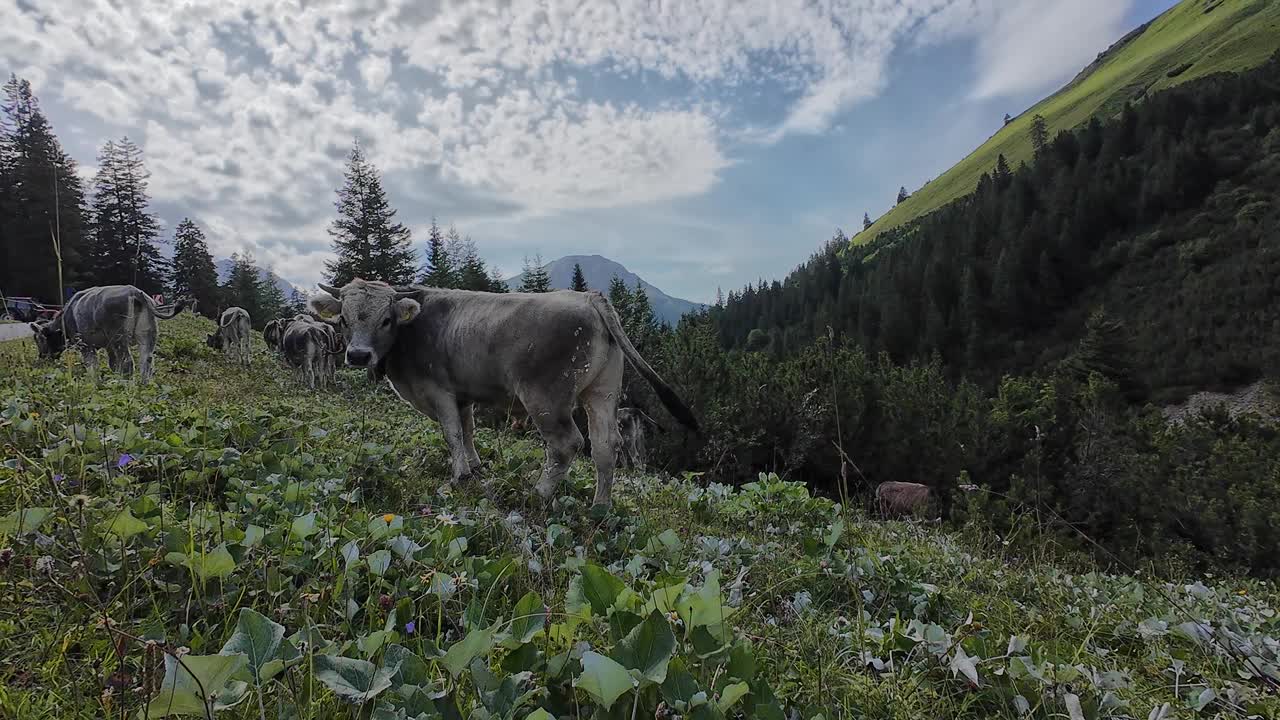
{"type": "Point", "coordinates": [601, 403]}
{"type": "Point", "coordinates": [563, 441]}
{"type": "Point", "coordinates": [468, 417]}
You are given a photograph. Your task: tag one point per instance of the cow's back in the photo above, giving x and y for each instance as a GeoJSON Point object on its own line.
{"type": "Point", "coordinates": [101, 314]}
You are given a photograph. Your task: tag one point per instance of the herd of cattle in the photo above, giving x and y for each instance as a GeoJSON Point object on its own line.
{"type": "Point", "coordinates": [442, 351]}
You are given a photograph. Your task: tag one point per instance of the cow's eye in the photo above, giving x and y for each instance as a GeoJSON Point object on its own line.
{"type": "Point", "coordinates": [386, 322]}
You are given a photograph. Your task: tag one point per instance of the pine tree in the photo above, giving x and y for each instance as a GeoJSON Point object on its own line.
{"type": "Point", "coordinates": [41, 196]}
{"type": "Point", "coordinates": [194, 274]}
{"type": "Point", "coordinates": [536, 279]}
{"type": "Point", "coordinates": [438, 270]}
{"type": "Point", "coordinates": [1105, 350]}
{"type": "Point", "coordinates": [866, 219]}
{"type": "Point", "coordinates": [1003, 175]}
{"type": "Point", "coordinates": [123, 248]}
{"type": "Point", "coordinates": [244, 286]}
{"type": "Point", "coordinates": [472, 274]}
{"type": "Point", "coordinates": [497, 283]}
{"type": "Point", "coordinates": [642, 325]}
{"type": "Point", "coordinates": [579, 281]}
{"type": "Point", "coordinates": [620, 298]}
{"type": "Point", "coordinates": [270, 299]}
{"type": "Point", "coordinates": [368, 242]}
{"type": "Point", "coordinates": [902, 195]}
{"type": "Point", "coordinates": [297, 304]}
{"type": "Point", "coordinates": [719, 297]}
{"type": "Point", "coordinates": [1039, 135]}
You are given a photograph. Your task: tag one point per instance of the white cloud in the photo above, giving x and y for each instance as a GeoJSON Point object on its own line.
{"type": "Point", "coordinates": [1029, 45]}
{"type": "Point", "coordinates": [245, 108]}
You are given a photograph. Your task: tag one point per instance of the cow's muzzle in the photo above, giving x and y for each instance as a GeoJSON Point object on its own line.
{"type": "Point", "coordinates": [358, 358]}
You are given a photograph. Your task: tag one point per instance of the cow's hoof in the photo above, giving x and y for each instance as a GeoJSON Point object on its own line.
{"type": "Point", "coordinates": [545, 490]}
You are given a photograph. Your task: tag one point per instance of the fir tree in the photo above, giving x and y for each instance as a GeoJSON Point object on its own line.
{"type": "Point", "coordinates": [496, 282]}
{"type": "Point", "coordinates": [472, 274]}
{"type": "Point", "coordinates": [620, 298]}
{"type": "Point", "coordinates": [41, 197]}
{"type": "Point", "coordinates": [1104, 349]}
{"type": "Point", "coordinates": [270, 299]}
{"type": "Point", "coordinates": [194, 274]}
{"type": "Point", "coordinates": [296, 305]}
{"type": "Point", "coordinates": [719, 297]}
{"type": "Point", "coordinates": [1039, 135]}
{"type": "Point", "coordinates": [866, 220]}
{"type": "Point", "coordinates": [244, 286]}
{"type": "Point", "coordinates": [438, 270]}
{"type": "Point", "coordinates": [123, 248]}
{"type": "Point", "coordinates": [367, 240]}
{"type": "Point", "coordinates": [579, 281]}
{"type": "Point", "coordinates": [902, 195]}
{"type": "Point", "coordinates": [536, 279]}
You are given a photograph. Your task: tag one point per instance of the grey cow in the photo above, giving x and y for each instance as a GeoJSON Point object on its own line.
{"type": "Point", "coordinates": [309, 346]}
{"type": "Point", "coordinates": [273, 332]}
{"type": "Point", "coordinates": [445, 350]}
{"type": "Point", "coordinates": [108, 316]}
{"type": "Point", "coordinates": [232, 334]}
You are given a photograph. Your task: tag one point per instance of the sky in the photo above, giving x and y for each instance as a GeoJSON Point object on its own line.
{"type": "Point", "coordinates": [702, 144]}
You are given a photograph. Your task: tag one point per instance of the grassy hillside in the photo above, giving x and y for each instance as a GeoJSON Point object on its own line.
{"type": "Point", "coordinates": [1191, 40]}
{"type": "Point", "coordinates": [229, 535]}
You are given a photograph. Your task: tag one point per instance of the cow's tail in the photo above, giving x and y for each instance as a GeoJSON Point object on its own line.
{"type": "Point", "coordinates": [161, 312]}
{"type": "Point", "coordinates": [673, 403]}
{"type": "Point", "coordinates": [229, 317]}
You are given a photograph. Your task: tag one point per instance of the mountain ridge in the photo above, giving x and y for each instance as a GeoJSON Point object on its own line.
{"type": "Point", "coordinates": [599, 271]}
{"type": "Point", "coordinates": [223, 267]}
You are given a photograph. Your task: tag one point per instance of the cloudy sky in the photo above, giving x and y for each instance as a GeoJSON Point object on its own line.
{"type": "Point", "coordinates": [700, 143]}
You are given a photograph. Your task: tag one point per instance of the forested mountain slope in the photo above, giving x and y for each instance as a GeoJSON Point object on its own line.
{"type": "Point", "coordinates": [1166, 217]}
{"type": "Point", "coordinates": [1192, 40]}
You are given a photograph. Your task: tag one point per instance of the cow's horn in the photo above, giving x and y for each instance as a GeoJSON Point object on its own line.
{"type": "Point", "coordinates": [401, 294]}
{"type": "Point", "coordinates": [336, 292]}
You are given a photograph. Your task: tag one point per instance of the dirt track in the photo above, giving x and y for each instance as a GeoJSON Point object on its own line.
{"type": "Point", "coordinates": [13, 331]}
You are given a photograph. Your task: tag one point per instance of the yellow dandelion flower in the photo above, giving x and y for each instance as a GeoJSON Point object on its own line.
{"type": "Point", "coordinates": [388, 517]}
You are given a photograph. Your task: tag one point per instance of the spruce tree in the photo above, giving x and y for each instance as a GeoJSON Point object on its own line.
{"type": "Point", "coordinates": [194, 274]}
{"type": "Point", "coordinates": [496, 282]}
{"type": "Point", "coordinates": [123, 248]}
{"type": "Point", "coordinates": [296, 305]}
{"type": "Point", "coordinates": [472, 274]}
{"type": "Point", "coordinates": [536, 279]}
{"type": "Point", "coordinates": [902, 195]}
{"type": "Point", "coordinates": [579, 281]}
{"type": "Point", "coordinates": [620, 298]}
{"type": "Point", "coordinates": [244, 285]}
{"type": "Point", "coordinates": [866, 220]}
{"type": "Point", "coordinates": [41, 197]}
{"type": "Point", "coordinates": [438, 270]}
{"type": "Point", "coordinates": [1039, 135]}
{"type": "Point", "coordinates": [270, 299]}
{"type": "Point", "coordinates": [367, 240]}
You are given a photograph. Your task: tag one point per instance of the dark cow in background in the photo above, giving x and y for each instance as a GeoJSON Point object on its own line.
{"type": "Point", "coordinates": [445, 350]}
{"type": "Point", "coordinates": [310, 346]}
{"type": "Point", "coordinates": [232, 334]}
{"type": "Point", "coordinates": [631, 425]}
{"type": "Point", "coordinates": [897, 499]}
{"type": "Point", "coordinates": [272, 333]}
{"type": "Point", "coordinates": [114, 317]}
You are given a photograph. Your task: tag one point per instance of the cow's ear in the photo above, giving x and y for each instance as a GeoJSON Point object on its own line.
{"type": "Point", "coordinates": [325, 306]}
{"type": "Point", "coordinates": [406, 310]}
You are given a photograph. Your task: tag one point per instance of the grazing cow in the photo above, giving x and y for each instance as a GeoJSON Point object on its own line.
{"type": "Point", "coordinates": [901, 498]}
{"type": "Point", "coordinates": [309, 346]}
{"type": "Point", "coordinates": [109, 316]}
{"type": "Point", "coordinates": [232, 334]}
{"type": "Point", "coordinates": [444, 350]}
{"type": "Point", "coordinates": [273, 332]}
{"type": "Point", "coordinates": [631, 422]}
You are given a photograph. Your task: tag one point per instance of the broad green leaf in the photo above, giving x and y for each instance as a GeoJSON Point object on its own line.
{"type": "Point", "coordinates": [665, 542]}
{"type": "Point", "coordinates": [680, 687]}
{"type": "Point", "coordinates": [253, 535]}
{"type": "Point", "coordinates": [704, 607]}
{"type": "Point", "coordinates": [258, 638]}
{"type": "Point", "coordinates": [731, 695]}
{"type": "Point", "coordinates": [742, 664]}
{"type": "Point", "coordinates": [124, 525]}
{"type": "Point", "coordinates": [530, 618]}
{"type": "Point", "coordinates": [603, 679]}
{"type": "Point", "coordinates": [23, 522]}
{"type": "Point", "coordinates": [350, 554]}
{"type": "Point", "coordinates": [189, 681]}
{"type": "Point", "coordinates": [540, 714]}
{"type": "Point", "coordinates": [353, 681]}
{"type": "Point", "coordinates": [379, 562]}
{"type": "Point", "coordinates": [600, 588]}
{"type": "Point", "coordinates": [217, 563]}
{"type": "Point", "coordinates": [648, 648]}
{"type": "Point", "coordinates": [460, 654]}
{"type": "Point", "coordinates": [287, 657]}
{"type": "Point", "coordinates": [410, 669]}
{"type": "Point", "coordinates": [303, 527]}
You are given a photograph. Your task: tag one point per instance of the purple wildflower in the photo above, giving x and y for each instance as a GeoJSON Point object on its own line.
{"type": "Point", "coordinates": [58, 478]}
{"type": "Point", "coordinates": [125, 459]}
{"type": "Point", "coordinates": [409, 627]}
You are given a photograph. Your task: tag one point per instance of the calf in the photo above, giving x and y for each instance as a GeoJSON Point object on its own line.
{"type": "Point", "coordinates": [114, 317]}
{"type": "Point", "coordinates": [309, 346]}
{"type": "Point", "coordinates": [445, 350]}
{"type": "Point", "coordinates": [272, 333]}
{"type": "Point", "coordinates": [232, 334]}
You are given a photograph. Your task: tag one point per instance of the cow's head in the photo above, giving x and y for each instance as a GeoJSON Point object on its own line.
{"type": "Point", "coordinates": [368, 314]}
{"type": "Point", "coordinates": [214, 340]}
{"type": "Point", "coordinates": [50, 338]}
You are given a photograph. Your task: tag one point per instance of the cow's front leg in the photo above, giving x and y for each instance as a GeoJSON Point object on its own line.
{"type": "Point", "coordinates": [451, 424]}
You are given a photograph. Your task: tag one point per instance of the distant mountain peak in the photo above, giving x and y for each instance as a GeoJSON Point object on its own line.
{"type": "Point", "coordinates": [600, 271]}
{"type": "Point", "coordinates": [224, 265]}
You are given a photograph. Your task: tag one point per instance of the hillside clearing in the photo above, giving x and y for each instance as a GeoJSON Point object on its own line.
{"type": "Point", "coordinates": [1233, 35]}
{"type": "Point", "coordinates": [309, 540]}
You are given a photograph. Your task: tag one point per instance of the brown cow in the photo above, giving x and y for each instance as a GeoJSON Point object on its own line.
{"type": "Point", "coordinates": [896, 499]}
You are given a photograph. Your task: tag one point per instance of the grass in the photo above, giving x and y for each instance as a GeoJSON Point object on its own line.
{"type": "Point", "coordinates": [1235, 35]}
{"type": "Point", "coordinates": [228, 544]}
